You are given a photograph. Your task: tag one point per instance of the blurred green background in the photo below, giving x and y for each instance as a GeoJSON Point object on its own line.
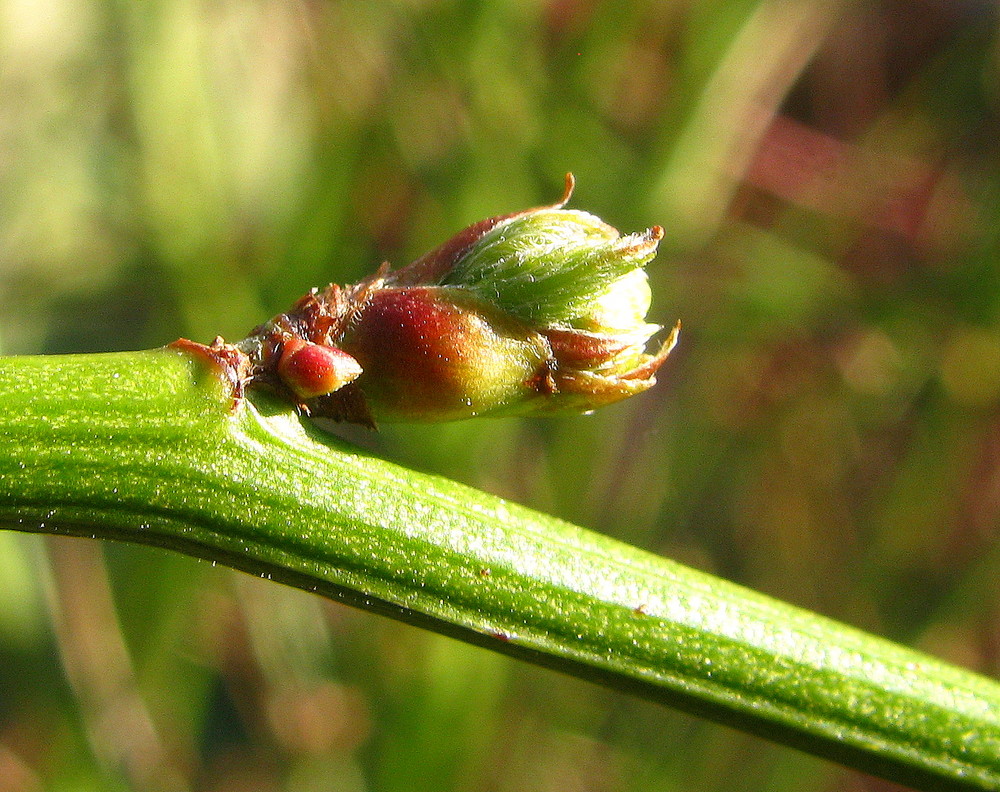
{"type": "Point", "coordinates": [828, 431]}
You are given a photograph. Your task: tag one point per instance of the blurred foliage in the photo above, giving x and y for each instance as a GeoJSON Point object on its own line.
{"type": "Point", "coordinates": [828, 431]}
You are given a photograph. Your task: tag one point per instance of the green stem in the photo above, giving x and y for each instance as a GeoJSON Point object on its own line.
{"type": "Point", "coordinates": [148, 447]}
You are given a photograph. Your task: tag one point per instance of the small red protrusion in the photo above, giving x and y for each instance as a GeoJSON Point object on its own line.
{"type": "Point", "coordinates": [310, 370]}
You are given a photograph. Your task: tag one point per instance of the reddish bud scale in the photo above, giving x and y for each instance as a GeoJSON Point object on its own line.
{"type": "Point", "coordinates": [437, 353]}
{"type": "Point", "coordinates": [311, 370]}
{"type": "Point", "coordinates": [580, 349]}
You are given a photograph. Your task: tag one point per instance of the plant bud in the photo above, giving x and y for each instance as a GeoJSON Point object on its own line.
{"type": "Point", "coordinates": [310, 370]}
{"type": "Point", "coordinates": [538, 312]}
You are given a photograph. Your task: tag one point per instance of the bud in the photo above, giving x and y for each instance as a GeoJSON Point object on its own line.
{"type": "Point", "coordinates": [537, 312]}
{"type": "Point", "coordinates": [570, 288]}
{"type": "Point", "coordinates": [310, 370]}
